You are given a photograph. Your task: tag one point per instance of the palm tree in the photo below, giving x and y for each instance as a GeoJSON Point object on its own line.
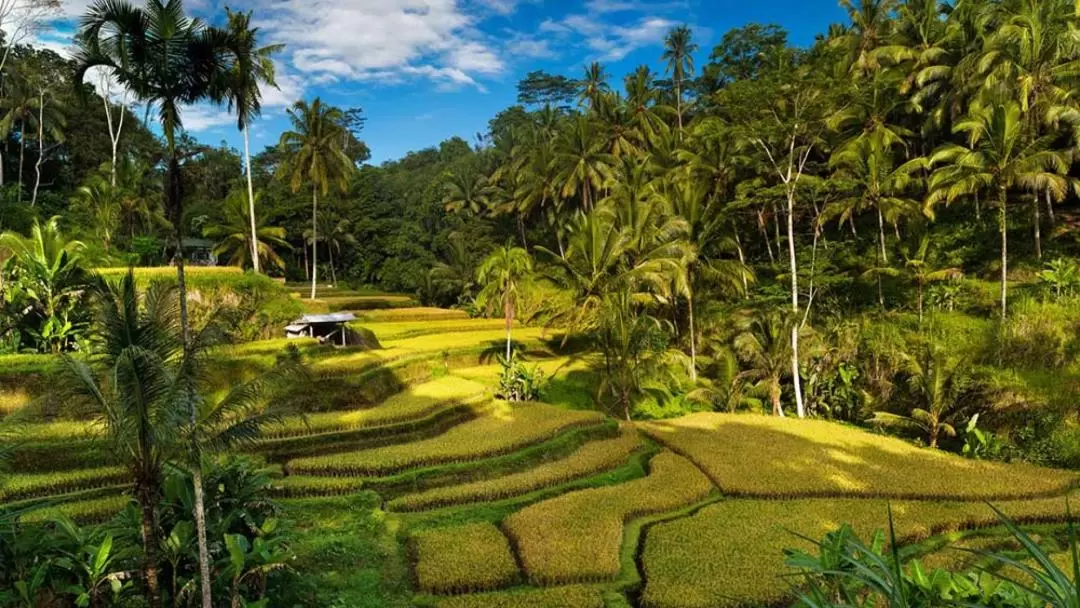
{"type": "Point", "coordinates": [918, 270]}
{"type": "Point", "coordinates": [313, 154]}
{"type": "Point", "coordinates": [998, 157]}
{"type": "Point", "coordinates": [1035, 56]}
{"type": "Point", "coordinates": [144, 381]}
{"type": "Point", "coordinates": [234, 239]}
{"type": "Point", "coordinates": [251, 67]}
{"type": "Point", "coordinates": [701, 223]}
{"type": "Point", "coordinates": [167, 60]}
{"type": "Point", "coordinates": [581, 164]}
{"type": "Point", "coordinates": [465, 192]}
{"type": "Point", "coordinates": [137, 349]}
{"type": "Point", "coordinates": [874, 182]}
{"type": "Point", "coordinates": [765, 348]}
{"type": "Point", "coordinates": [679, 50]}
{"type": "Point", "coordinates": [25, 108]}
{"type": "Point", "coordinates": [594, 85]}
{"type": "Point", "coordinates": [502, 276]}
{"type": "Point", "coordinates": [938, 381]}
{"type": "Point", "coordinates": [101, 200]}
{"type": "Point", "coordinates": [336, 234]}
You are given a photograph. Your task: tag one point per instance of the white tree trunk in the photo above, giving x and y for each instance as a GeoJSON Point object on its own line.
{"type": "Point", "coordinates": [314, 238]}
{"type": "Point", "coordinates": [1003, 225]}
{"type": "Point", "coordinates": [205, 580]}
{"type": "Point", "coordinates": [693, 338]}
{"type": "Point", "coordinates": [800, 407]}
{"type": "Point", "coordinates": [251, 202]}
{"type": "Point", "coordinates": [41, 146]}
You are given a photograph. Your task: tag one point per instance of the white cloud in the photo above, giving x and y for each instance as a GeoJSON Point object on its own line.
{"type": "Point", "coordinates": [203, 118]}
{"type": "Point", "coordinates": [383, 40]}
{"type": "Point", "coordinates": [594, 29]}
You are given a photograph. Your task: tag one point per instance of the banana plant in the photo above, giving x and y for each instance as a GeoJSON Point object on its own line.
{"type": "Point", "coordinates": [250, 563]}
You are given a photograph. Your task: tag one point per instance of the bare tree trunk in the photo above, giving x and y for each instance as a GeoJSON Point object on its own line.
{"type": "Point", "coordinates": [508, 311]}
{"type": "Point", "coordinates": [742, 260]}
{"type": "Point", "coordinates": [1037, 220]}
{"type": "Point", "coordinates": [205, 579]}
{"type": "Point", "coordinates": [1049, 205]}
{"type": "Point", "coordinates": [333, 271]}
{"type": "Point", "coordinates": [150, 552]}
{"type": "Point", "coordinates": [765, 236]}
{"type": "Point", "coordinates": [978, 208]}
{"type": "Point", "coordinates": [22, 155]}
{"type": "Point", "coordinates": [883, 257]}
{"type": "Point", "coordinates": [307, 268]}
{"type": "Point", "coordinates": [314, 238]}
{"type": "Point", "coordinates": [1003, 225]}
{"type": "Point", "coordinates": [693, 337]}
{"type": "Point", "coordinates": [41, 146]}
{"type": "Point", "coordinates": [251, 202]}
{"type": "Point", "coordinates": [114, 135]}
{"type": "Point", "coordinates": [800, 407]}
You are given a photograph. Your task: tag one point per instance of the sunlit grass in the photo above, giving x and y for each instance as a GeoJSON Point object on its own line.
{"type": "Point", "coordinates": [504, 429]}
{"type": "Point", "coordinates": [577, 537]}
{"type": "Point", "coordinates": [462, 559]}
{"type": "Point", "coordinates": [745, 540]}
{"type": "Point", "coordinates": [819, 458]}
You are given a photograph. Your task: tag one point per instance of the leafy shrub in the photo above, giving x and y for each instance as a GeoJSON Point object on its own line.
{"type": "Point", "coordinates": [1040, 335]}
{"type": "Point", "coordinates": [518, 382]}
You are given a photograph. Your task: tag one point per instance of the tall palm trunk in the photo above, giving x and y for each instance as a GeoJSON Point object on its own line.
{"type": "Point", "coordinates": [1037, 220]}
{"type": "Point", "coordinates": [251, 201]}
{"type": "Point", "coordinates": [883, 255]}
{"type": "Point", "coordinates": [1049, 204]}
{"type": "Point", "coordinates": [693, 337]}
{"type": "Point", "coordinates": [174, 197]}
{"type": "Point", "coordinates": [1003, 226]}
{"type": "Point", "coordinates": [742, 260]}
{"type": "Point", "coordinates": [765, 236]}
{"type": "Point", "coordinates": [774, 396]}
{"type": "Point", "coordinates": [800, 408]}
{"type": "Point", "coordinates": [147, 499]}
{"type": "Point", "coordinates": [41, 147]}
{"type": "Point", "coordinates": [314, 238]}
{"type": "Point", "coordinates": [22, 154]}
{"type": "Point", "coordinates": [508, 311]}
{"type": "Point", "coordinates": [333, 270]}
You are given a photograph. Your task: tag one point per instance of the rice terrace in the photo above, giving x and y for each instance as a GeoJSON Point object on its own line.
{"type": "Point", "coordinates": [509, 304]}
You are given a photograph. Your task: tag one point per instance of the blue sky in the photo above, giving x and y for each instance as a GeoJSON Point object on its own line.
{"type": "Point", "coordinates": [425, 70]}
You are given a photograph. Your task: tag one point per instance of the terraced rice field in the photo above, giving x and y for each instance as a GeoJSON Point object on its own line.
{"type": "Point", "coordinates": [472, 502]}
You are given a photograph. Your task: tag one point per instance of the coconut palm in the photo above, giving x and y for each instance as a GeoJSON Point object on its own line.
{"type": "Point", "coordinates": [26, 108]}
{"type": "Point", "coordinates": [679, 49]}
{"type": "Point", "coordinates": [1035, 56]}
{"type": "Point", "coordinates": [313, 154]}
{"type": "Point", "coordinates": [336, 234]}
{"type": "Point", "coordinates": [137, 347]}
{"type": "Point", "coordinates": [764, 346]}
{"type": "Point", "coordinates": [466, 192]}
{"type": "Point", "coordinates": [999, 158]}
{"type": "Point", "coordinates": [102, 202]}
{"type": "Point", "coordinates": [581, 163]}
{"type": "Point", "coordinates": [167, 60]}
{"type": "Point", "coordinates": [144, 381]}
{"type": "Point", "coordinates": [234, 239]}
{"type": "Point", "coordinates": [938, 381]}
{"type": "Point", "coordinates": [867, 168]}
{"type": "Point", "coordinates": [919, 272]}
{"type": "Point", "coordinates": [252, 66]}
{"type": "Point", "coordinates": [502, 277]}
{"type": "Point", "coordinates": [594, 85]}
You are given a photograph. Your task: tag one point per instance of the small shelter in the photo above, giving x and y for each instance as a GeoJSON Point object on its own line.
{"type": "Point", "coordinates": [332, 328]}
